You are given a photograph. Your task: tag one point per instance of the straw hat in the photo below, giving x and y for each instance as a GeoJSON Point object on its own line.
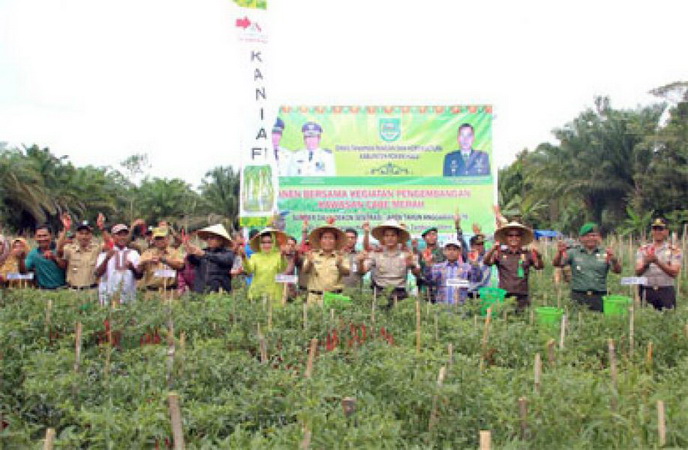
{"type": "Point", "coordinates": [279, 236]}
{"type": "Point", "coordinates": [526, 233]}
{"type": "Point", "coordinates": [216, 230]}
{"type": "Point", "coordinates": [316, 234]}
{"type": "Point", "coordinates": [379, 231]}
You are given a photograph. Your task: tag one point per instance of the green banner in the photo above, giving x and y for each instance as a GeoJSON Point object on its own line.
{"type": "Point", "coordinates": [418, 164]}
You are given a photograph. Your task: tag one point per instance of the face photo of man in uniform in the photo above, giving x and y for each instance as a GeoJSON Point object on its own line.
{"type": "Point", "coordinates": [466, 161]}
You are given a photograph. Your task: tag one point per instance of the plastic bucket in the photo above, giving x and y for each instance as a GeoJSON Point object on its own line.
{"type": "Point", "coordinates": [616, 305]}
{"type": "Point", "coordinates": [548, 315]}
{"type": "Point", "coordinates": [332, 300]}
{"type": "Point", "coordinates": [490, 297]}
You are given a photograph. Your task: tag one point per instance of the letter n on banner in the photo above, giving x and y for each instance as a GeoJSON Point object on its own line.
{"type": "Point", "coordinates": [259, 177]}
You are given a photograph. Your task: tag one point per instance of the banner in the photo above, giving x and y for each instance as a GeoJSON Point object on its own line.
{"type": "Point", "coordinates": [417, 164]}
{"type": "Point", "coordinates": [258, 199]}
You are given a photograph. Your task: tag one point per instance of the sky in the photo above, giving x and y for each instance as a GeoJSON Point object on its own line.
{"type": "Point", "coordinates": [100, 80]}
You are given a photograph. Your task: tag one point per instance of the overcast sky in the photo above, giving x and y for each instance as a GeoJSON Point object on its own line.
{"type": "Point", "coordinates": [99, 80]}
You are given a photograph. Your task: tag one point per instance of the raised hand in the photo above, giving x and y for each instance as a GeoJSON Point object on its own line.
{"type": "Point", "coordinates": [476, 228]}
{"type": "Point", "coordinates": [561, 246]}
{"type": "Point", "coordinates": [366, 227]}
{"type": "Point", "coordinates": [457, 218]}
{"type": "Point", "coordinates": [66, 220]}
{"type": "Point", "coordinates": [100, 221]}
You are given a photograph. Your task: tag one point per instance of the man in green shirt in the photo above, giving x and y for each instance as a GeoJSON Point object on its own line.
{"type": "Point", "coordinates": [43, 261]}
{"type": "Point", "coordinates": [590, 264]}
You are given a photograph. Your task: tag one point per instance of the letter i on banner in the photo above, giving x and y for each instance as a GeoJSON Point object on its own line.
{"type": "Point", "coordinates": [259, 175]}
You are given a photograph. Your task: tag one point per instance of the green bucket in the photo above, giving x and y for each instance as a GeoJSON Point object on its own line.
{"type": "Point", "coordinates": [548, 315]}
{"type": "Point", "coordinates": [616, 305]}
{"type": "Point", "coordinates": [332, 300]}
{"type": "Point", "coordinates": [490, 296]}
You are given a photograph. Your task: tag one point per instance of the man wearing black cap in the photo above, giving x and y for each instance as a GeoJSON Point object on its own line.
{"type": "Point", "coordinates": [79, 259]}
{"type": "Point", "coordinates": [660, 263]}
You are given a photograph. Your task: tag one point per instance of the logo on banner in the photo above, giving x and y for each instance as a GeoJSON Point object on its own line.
{"type": "Point", "coordinates": [390, 129]}
{"type": "Point", "coordinates": [250, 30]}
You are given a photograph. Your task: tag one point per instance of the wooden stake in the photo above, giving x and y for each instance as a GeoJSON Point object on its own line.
{"type": "Point", "coordinates": [176, 419]}
{"type": "Point", "coordinates": [435, 399]}
{"type": "Point", "coordinates": [661, 423]}
{"type": "Point", "coordinates": [631, 331]}
{"type": "Point", "coordinates": [263, 347]}
{"type": "Point", "coordinates": [648, 356]}
{"type": "Point", "coordinates": [550, 353]}
{"type": "Point", "coordinates": [311, 357]}
{"type": "Point", "coordinates": [562, 333]}
{"type": "Point", "coordinates": [77, 348]}
{"type": "Point", "coordinates": [270, 315]}
{"type": "Point", "coordinates": [485, 440]}
{"type": "Point", "coordinates": [523, 413]}
{"type": "Point", "coordinates": [170, 353]}
{"type": "Point", "coordinates": [612, 362]}
{"type": "Point", "coordinates": [537, 372]}
{"type": "Point", "coordinates": [306, 442]}
{"type": "Point", "coordinates": [417, 326]}
{"type": "Point", "coordinates": [49, 439]}
{"type": "Point", "coordinates": [486, 334]}
{"type": "Point", "coordinates": [685, 331]}
{"type": "Point", "coordinates": [450, 350]}
{"type": "Point", "coordinates": [372, 309]}
{"type": "Point", "coordinates": [285, 293]}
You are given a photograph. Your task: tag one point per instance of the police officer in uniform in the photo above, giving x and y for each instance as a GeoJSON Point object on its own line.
{"type": "Point", "coordinates": [312, 161]}
{"type": "Point", "coordinates": [660, 263]}
{"type": "Point", "coordinates": [282, 155]}
{"type": "Point", "coordinates": [466, 161]}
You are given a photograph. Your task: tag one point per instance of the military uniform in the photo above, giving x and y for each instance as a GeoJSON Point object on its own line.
{"type": "Point", "coordinates": [589, 269]}
{"type": "Point", "coordinates": [312, 163]}
{"type": "Point", "coordinates": [462, 164]}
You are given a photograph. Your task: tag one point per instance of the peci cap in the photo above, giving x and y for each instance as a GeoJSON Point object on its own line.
{"type": "Point", "coordinates": [311, 129]}
{"type": "Point", "coordinates": [84, 225]}
{"type": "Point", "coordinates": [278, 127]}
{"type": "Point", "coordinates": [160, 232]}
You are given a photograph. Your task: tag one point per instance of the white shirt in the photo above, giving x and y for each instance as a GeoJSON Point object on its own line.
{"type": "Point", "coordinates": [118, 280]}
{"type": "Point", "coordinates": [306, 163]}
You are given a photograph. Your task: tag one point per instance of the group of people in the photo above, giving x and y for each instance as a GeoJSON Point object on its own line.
{"type": "Point", "coordinates": [277, 267]}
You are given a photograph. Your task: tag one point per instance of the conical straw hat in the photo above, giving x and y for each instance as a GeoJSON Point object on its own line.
{"type": "Point", "coordinates": [217, 230]}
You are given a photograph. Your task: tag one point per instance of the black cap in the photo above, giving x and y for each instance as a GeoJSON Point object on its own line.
{"type": "Point", "coordinates": [84, 225]}
{"type": "Point", "coordinates": [659, 222]}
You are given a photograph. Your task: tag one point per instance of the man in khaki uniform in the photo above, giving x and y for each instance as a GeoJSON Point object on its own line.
{"type": "Point", "coordinates": [78, 259]}
{"type": "Point", "coordinates": [325, 266]}
{"type": "Point", "coordinates": [157, 260]}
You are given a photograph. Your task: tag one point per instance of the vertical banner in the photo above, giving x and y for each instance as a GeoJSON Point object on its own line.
{"type": "Point", "coordinates": [259, 176]}
{"type": "Point", "coordinates": [417, 164]}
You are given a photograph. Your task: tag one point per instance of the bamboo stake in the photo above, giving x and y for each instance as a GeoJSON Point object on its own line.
{"type": "Point", "coordinates": [661, 423]}
{"type": "Point", "coordinates": [550, 353]}
{"type": "Point", "coordinates": [485, 440]}
{"type": "Point", "coordinates": [613, 372]}
{"type": "Point", "coordinates": [486, 334]}
{"type": "Point", "coordinates": [311, 357]}
{"type": "Point", "coordinates": [417, 326]}
{"type": "Point", "coordinates": [372, 309]}
{"type": "Point", "coordinates": [48, 324]}
{"type": "Point", "coordinates": [537, 372]}
{"type": "Point", "coordinates": [77, 348]}
{"type": "Point", "coordinates": [435, 399]}
{"type": "Point", "coordinates": [285, 293]}
{"type": "Point", "coordinates": [523, 413]}
{"type": "Point", "coordinates": [648, 356]}
{"type": "Point", "coordinates": [562, 332]}
{"type": "Point", "coordinates": [305, 315]}
{"type": "Point", "coordinates": [306, 442]}
{"type": "Point", "coordinates": [49, 439]}
{"type": "Point", "coordinates": [685, 331]}
{"type": "Point", "coordinates": [631, 331]}
{"type": "Point", "coordinates": [176, 419]}
{"type": "Point", "coordinates": [170, 353]}
{"type": "Point", "coordinates": [450, 350]}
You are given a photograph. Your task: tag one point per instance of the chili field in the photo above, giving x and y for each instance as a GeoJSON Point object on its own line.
{"type": "Point", "coordinates": [245, 375]}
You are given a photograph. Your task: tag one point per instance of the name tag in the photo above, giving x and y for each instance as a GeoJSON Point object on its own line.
{"type": "Point", "coordinates": [281, 278]}
{"type": "Point", "coordinates": [20, 276]}
{"type": "Point", "coordinates": [458, 283]}
{"type": "Point", "coordinates": [630, 281]}
{"type": "Point", "coordinates": [165, 273]}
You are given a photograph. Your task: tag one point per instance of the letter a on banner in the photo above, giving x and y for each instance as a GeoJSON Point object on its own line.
{"type": "Point", "coordinates": [259, 173]}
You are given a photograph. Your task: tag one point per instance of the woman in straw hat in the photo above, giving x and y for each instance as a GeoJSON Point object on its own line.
{"type": "Point", "coordinates": [324, 264]}
{"type": "Point", "coordinates": [214, 263]}
{"type": "Point", "coordinates": [513, 261]}
{"type": "Point", "coordinates": [392, 264]}
{"type": "Point", "coordinates": [267, 261]}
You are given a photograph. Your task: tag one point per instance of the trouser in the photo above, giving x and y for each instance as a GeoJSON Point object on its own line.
{"type": "Point", "coordinates": [661, 297]}
{"type": "Point", "coordinates": [591, 299]}
{"type": "Point", "coordinates": [395, 295]}
{"type": "Point", "coordinates": [522, 301]}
